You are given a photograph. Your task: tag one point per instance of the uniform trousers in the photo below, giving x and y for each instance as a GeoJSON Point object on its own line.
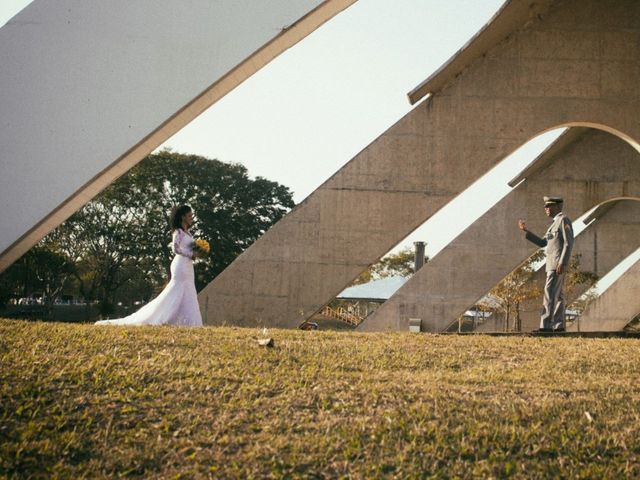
{"type": "Point", "coordinates": [553, 307]}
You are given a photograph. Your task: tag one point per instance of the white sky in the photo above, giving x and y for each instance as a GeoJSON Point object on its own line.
{"type": "Point", "coordinates": [312, 109]}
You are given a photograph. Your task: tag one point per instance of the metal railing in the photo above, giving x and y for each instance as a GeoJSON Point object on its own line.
{"type": "Point", "coordinates": [342, 314]}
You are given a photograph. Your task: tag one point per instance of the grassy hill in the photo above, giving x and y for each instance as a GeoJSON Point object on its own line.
{"type": "Point", "coordinates": [78, 401]}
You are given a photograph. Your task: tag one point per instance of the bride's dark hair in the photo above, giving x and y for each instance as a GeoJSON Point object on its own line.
{"type": "Point", "coordinates": [176, 216]}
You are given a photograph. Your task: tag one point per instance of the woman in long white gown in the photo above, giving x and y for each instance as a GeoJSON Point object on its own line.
{"type": "Point", "coordinates": [177, 304]}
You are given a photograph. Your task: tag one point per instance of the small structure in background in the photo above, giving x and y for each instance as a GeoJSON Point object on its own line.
{"type": "Point", "coordinates": [419, 260]}
{"type": "Point", "coordinates": [415, 325]}
{"type": "Point", "coordinates": [309, 325]}
{"type": "Point", "coordinates": [357, 302]}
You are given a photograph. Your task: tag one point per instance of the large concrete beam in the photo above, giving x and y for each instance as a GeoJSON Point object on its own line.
{"type": "Point", "coordinates": [612, 235]}
{"type": "Point", "coordinates": [576, 62]}
{"type": "Point", "coordinates": [493, 246]}
{"type": "Point", "coordinates": [616, 307]}
{"type": "Point", "coordinates": [91, 87]}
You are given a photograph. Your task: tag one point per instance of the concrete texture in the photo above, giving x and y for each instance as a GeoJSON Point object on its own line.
{"type": "Point", "coordinates": [616, 307]}
{"type": "Point", "coordinates": [482, 255]}
{"type": "Point", "coordinates": [574, 63]}
{"type": "Point", "coordinates": [90, 87]}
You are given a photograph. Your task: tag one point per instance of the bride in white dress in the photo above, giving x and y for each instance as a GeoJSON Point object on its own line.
{"type": "Point", "coordinates": [177, 304]}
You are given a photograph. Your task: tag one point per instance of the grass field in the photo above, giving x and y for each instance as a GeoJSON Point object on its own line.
{"type": "Point", "coordinates": [78, 401]}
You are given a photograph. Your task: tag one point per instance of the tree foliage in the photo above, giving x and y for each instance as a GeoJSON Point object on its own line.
{"type": "Point", "coordinates": [44, 270]}
{"type": "Point", "coordinates": [576, 277]}
{"type": "Point", "coordinates": [400, 263]}
{"type": "Point", "coordinates": [119, 242]}
{"type": "Point", "coordinates": [516, 288]}
{"type": "Point", "coordinates": [520, 286]}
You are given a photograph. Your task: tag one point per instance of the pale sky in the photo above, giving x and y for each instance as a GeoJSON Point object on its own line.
{"type": "Point", "coordinates": [312, 109]}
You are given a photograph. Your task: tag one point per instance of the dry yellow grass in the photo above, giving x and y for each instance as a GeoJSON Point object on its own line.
{"type": "Point", "coordinates": [78, 401]}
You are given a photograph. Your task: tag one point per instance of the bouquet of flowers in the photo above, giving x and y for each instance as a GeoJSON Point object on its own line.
{"type": "Point", "coordinates": [201, 248]}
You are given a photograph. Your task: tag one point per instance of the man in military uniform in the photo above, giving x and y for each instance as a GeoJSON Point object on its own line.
{"type": "Point", "coordinates": [559, 242]}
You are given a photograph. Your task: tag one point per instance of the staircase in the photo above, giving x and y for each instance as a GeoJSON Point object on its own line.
{"type": "Point", "coordinates": [342, 314]}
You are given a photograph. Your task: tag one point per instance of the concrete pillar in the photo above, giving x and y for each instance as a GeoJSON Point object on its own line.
{"type": "Point", "coordinates": [616, 307]}
{"type": "Point", "coordinates": [585, 166]}
{"type": "Point", "coordinates": [419, 260]}
{"type": "Point", "coordinates": [535, 67]}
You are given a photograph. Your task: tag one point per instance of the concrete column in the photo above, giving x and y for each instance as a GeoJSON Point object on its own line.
{"type": "Point", "coordinates": [616, 307]}
{"type": "Point", "coordinates": [537, 66]}
{"type": "Point", "coordinates": [585, 166]}
{"type": "Point", "coordinates": [419, 252]}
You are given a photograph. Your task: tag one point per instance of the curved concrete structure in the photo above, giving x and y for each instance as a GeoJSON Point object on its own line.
{"type": "Point", "coordinates": [585, 166]}
{"type": "Point", "coordinates": [570, 63]}
{"type": "Point", "coordinates": [616, 307]}
{"type": "Point", "coordinates": [90, 87]}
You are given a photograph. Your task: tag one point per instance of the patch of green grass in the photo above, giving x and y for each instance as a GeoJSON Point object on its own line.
{"type": "Point", "coordinates": [79, 401]}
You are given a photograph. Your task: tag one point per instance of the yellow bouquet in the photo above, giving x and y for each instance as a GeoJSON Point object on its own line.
{"type": "Point", "coordinates": [201, 248]}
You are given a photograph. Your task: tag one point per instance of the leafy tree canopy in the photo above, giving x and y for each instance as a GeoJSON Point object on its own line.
{"type": "Point", "coordinates": [119, 242]}
{"type": "Point", "coordinates": [400, 263]}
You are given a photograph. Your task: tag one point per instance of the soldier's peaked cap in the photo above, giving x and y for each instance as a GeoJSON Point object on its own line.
{"type": "Point", "coordinates": [552, 200]}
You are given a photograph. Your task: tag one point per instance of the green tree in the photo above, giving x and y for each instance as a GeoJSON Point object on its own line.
{"type": "Point", "coordinates": [44, 269]}
{"type": "Point", "coordinates": [104, 239]}
{"type": "Point", "coordinates": [516, 288]}
{"type": "Point", "coordinates": [576, 277]}
{"type": "Point", "coordinates": [54, 271]}
{"type": "Point", "coordinates": [520, 286]}
{"type": "Point", "coordinates": [400, 263]}
{"type": "Point", "coordinates": [120, 240]}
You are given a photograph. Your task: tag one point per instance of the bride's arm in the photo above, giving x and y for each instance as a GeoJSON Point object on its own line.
{"type": "Point", "coordinates": [178, 235]}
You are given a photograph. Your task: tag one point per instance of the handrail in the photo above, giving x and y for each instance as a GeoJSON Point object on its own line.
{"type": "Point", "coordinates": [342, 314]}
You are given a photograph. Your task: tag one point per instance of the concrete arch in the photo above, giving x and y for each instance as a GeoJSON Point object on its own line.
{"type": "Point", "coordinates": [89, 88]}
{"type": "Point", "coordinates": [607, 205]}
{"type": "Point", "coordinates": [492, 246]}
{"type": "Point", "coordinates": [534, 67]}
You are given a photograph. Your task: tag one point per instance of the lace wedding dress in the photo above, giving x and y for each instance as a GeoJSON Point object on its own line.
{"type": "Point", "coordinates": [177, 304]}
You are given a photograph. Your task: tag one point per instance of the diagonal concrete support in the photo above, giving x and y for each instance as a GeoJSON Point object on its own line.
{"type": "Point", "coordinates": [493, 246]}
{"type": "Point", "coordinates": [612, 235]}
{"type": "Point", "coordinates": [536, 66]}
{"type": "Point", "coordinates": [89, 88]}
{"type": "Point", "coordinates": [616, 307]}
